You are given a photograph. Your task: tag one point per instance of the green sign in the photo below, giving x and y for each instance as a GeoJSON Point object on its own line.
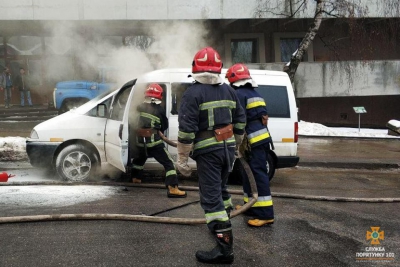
{"type": "Point", "coordinates": [359, 110]}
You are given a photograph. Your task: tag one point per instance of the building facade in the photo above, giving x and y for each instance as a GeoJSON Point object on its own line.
{"type": "Point", "coordinates": [351, 62]}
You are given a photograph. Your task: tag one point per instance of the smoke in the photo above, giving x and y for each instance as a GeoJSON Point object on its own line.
{"type": "Point", "coordinates": [177, 42]}
{"type": "Point", "coordinates": [91, 48]}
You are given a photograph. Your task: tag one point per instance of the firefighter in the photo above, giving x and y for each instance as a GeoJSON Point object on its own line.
{"type": "Point", "coordinates": [256, 142]}
{"type": "Point", "coordinates": [211, 123]}
{"type": "Point", "coordinates": [153, 119]}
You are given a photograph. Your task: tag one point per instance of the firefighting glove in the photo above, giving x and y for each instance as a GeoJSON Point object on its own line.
{"type": "Point", "coordinates": [183, 157]}
{"type": "Point", "coordinates": [239, 140]}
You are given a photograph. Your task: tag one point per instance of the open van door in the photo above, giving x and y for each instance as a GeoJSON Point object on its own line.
{"type": "Point", "coordinates": [117, 131]}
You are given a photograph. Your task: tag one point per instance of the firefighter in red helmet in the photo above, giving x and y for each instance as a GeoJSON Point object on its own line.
{"type": "Point", "coordinates": [153, 119]}
{"type": "Point", "coordinates": [256, 144]}
{"type": "Point", "coordinates": [211, 126]}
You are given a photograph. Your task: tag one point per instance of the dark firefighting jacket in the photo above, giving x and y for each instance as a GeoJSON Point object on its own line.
{"type": "Point", "coordinates": [255, 107]}
{"type": "Point", "coordinates": [206, 107]}
{"type": "Point", "coordinates": [152, 116]}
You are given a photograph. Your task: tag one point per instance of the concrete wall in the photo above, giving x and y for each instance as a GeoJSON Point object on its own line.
{"type": "Point", "coordinates": [339, 112]}
{"type": "Point", "coordinates": [163, 9]}
{"type": "Point", "coordinates": [327, 92]}
{"type": "Point", "coordinates": [345, 78]}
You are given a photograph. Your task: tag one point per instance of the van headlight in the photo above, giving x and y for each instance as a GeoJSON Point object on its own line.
{"type": "Point", "coordinates": [34, 135]}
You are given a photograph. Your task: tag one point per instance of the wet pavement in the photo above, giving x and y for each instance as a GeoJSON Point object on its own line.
{"type": "Point", "coordinates": [347, 152]}
{"type": "Point", "coordinates": [341, 174]}
{"type": "Point", "coordinates": [322, 215]}
{"type": "Point", "coordinates": [305, 232]}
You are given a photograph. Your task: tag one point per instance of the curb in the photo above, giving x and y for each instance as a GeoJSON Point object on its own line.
{"type": "Point", "coordinates": [350, 165]}
{"type": "Point", "coordinates": [350, 137]}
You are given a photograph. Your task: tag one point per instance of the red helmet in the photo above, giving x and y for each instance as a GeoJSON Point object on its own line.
{"type": "Point", "coordinates": [207, 60]}
{"type": "Point", "coordinates": [154, 90]}
{"type": "Point", "coordinates": [237, 72]}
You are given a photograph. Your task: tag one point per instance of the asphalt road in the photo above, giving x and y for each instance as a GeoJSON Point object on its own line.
{"type": "Point", "coordinates": [306, 232]}
{"type": "Point", "coordinates": [330, 231]}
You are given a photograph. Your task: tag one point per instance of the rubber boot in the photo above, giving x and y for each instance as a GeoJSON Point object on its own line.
{"type": "Point", "coordinates": [258, 222]}
{"type": "Point", "coordinates": [174, 192]}
{"type": "Point", "coordinates": [223, 252]}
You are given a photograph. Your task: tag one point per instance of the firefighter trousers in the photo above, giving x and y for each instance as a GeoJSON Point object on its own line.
{"type": "Point", "coordinates": [213, 172]}
{"type": "Point", "coordinates": [263, 209]}
{"type": "Point", "coordinates": [161, 154]}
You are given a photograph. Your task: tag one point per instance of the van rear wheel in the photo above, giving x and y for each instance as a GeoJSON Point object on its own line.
{"type": "Point", "coordinates": [76, 163]}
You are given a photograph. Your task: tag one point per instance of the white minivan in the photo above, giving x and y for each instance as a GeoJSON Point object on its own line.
{"type": "Point", "coordinates": [97, 136]}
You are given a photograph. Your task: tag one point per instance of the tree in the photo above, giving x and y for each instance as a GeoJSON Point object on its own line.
{"type": "Point", "coordinates": [349, 9]}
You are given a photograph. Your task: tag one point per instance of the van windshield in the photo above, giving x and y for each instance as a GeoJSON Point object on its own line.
{"type": "Point", "coordinates": [277, 100]}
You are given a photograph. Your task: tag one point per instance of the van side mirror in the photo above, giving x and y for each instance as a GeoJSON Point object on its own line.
{"type": "Point", "coordinates": [101, 110]}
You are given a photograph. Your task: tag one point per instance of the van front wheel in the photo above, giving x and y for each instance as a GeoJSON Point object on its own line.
{"type": "Point", "coordinates": [76, 163]}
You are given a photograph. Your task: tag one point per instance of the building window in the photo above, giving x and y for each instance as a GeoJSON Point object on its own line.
{"type": "Point", "coordinates": [244, 51]}
{"type": "Point", "coordinates": [244, 48]}
{"type": "Point", "coordinates": [141, 42]}
{"type": "Point", "coordinates": [287, 43]}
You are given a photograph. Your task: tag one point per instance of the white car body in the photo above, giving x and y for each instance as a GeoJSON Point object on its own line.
{"type": "Point", "coordinates": [108, 137]}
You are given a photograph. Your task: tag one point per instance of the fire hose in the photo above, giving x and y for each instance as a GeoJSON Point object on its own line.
{"type": "Point", "coordinates": [170, 220]}
{"type": "Point", "coordinates": [141, 218]}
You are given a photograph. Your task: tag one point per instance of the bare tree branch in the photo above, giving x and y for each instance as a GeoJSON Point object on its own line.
{"type": "Point", "coordinates": [305, 43]}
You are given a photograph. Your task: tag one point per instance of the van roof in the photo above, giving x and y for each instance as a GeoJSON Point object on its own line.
{"type": "Point", "coordinates": [224, 70]}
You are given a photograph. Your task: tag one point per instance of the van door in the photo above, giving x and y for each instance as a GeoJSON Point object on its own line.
{"type": "Point", "coordinates": [177, 90]}
{"type": "Point", "coordinates": [117, 131]}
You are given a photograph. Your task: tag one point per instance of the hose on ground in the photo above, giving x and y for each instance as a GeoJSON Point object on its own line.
{"type": "Point", "coordinates": [141, 218]}
{"type": "Point", "coordinates": [231, 191]}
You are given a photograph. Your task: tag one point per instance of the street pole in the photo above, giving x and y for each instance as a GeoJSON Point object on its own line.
{"type": "Point", "coordinates": [359, 110]}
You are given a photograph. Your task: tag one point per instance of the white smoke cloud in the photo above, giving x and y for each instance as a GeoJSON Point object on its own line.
{"type": "Point", "coordinates": [177, 42]}
{"type": "Point", "coordinates": [173, 45]}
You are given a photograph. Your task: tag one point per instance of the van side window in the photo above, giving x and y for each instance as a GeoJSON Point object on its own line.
{"type": "Point", "coordinates": [277, 100]}
{"type": "Point", "coordinates": [177, 90]}
{"type": "Point", "coordinates": [119, 103]}
{"type": "Point", "coordinates": [93, 111]}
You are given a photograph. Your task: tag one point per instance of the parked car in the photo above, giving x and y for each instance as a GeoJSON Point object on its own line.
{"type": "Point", "coordinates": [98, 134]}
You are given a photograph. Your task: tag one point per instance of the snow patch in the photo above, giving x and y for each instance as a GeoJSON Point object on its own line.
{"type": "Point", "coordinates": [316, 129]}
{"type": "Point", "coordinates": [395, 123]}
{"type": "Point", "coordinates": [53, 196]}
{"type": "Point", "coordinates": [13, 149]}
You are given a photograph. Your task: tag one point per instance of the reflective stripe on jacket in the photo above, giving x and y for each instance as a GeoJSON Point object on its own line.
{"type": "Point", "coordinates": [152, 116]}
{"type": "Point", "coordinates": [208, 107]}
{"type": "Point", "coordinates": [255, 107]}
